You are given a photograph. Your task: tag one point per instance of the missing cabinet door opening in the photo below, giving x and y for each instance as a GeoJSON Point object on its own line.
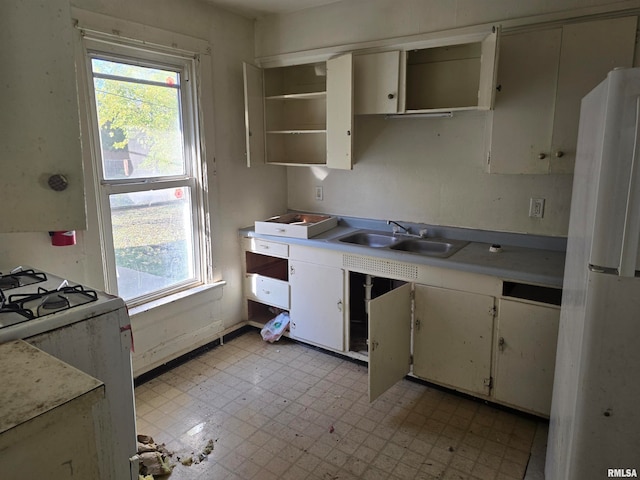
{"type": "Point", "coordinates": [272, 267]}
{"type": "Point", "coordinates": [535, 293]}
{"type": "Point", "coordinates": [363, 288]}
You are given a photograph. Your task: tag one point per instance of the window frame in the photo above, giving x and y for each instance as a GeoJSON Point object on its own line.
{"type": "Point", "coordinates": [187, 63]}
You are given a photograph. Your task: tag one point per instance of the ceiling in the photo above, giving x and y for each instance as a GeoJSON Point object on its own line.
{"type": "Point", "coordinates": [260, 8]}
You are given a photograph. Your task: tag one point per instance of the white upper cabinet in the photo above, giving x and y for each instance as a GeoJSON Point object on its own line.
{"type": "Point", "coordinates": [452, 77]}
{"type": "Point", "coordinates": [376, 83]}
{"type": "Point", "coordinates": [253, 114]}
{"type": "Point", "coordinates": [542, 78]}
{"type": "Point", "coordinates": [449, 75]}
{"type": "Point", "coordinates": [340, 112]}
{"type": "Point", "coordinates": [42, 180]}
{"type": "Point", "coordinates": [300, 115]}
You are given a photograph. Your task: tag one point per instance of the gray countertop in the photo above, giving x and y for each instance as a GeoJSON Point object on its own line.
{"type": "Point", "coordinates": [34, 382]}
{"type": "Point", "coordinates": [520, 260]}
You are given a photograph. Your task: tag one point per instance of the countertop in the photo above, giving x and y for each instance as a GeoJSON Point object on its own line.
{"type": "Point", "coordinates": [34, 382]}
{"type": "Point", "coordinates": [528, 259]}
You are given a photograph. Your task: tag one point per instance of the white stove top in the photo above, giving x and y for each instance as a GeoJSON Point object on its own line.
{"type": "Point", "coordinates": [35, 302]}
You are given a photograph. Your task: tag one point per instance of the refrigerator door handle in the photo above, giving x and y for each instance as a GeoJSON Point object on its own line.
{"type": "Point", "coordinates": [631, 233]}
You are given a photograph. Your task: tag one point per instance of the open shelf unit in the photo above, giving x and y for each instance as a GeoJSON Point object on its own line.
{"type": "Point", "coordinates": [296, 114]}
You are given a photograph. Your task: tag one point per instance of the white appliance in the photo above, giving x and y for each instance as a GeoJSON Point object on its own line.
{"type": "Point", "coordinates": [89, 330]}
{"type": "Point", "coordinates": [594, 428]}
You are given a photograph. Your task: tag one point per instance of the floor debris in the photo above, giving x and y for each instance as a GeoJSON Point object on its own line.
{"type": "Point", "coordinates": [154, 458]}
{"type": "Point", "coordinates": [196, 458]}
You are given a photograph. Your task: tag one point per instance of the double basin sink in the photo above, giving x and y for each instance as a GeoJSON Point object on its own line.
{"type": "Point", "coordinates": [430, 247]}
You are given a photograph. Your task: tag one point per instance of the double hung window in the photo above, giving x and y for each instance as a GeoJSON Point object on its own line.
{"type": "Point", "coordinates": [148, 170]}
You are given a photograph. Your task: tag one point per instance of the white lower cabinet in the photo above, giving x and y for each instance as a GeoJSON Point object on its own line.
{"type": "Point", "coordinates": [473, 333]}
{"type": "Point", "coordinates": [317, 304]}
{"type": "Point", "coordinates": [453, 337]}
{"type": "Point", "coordinates": [526, 337]}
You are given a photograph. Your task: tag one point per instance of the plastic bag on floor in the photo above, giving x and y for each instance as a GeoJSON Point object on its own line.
{"type": "Point", "coordinates": [274, 328]}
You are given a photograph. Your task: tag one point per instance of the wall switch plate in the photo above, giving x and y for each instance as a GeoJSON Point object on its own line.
{"type": "Point", "coordinates": [536, 207]}
{"type": "Point", "coordinates": [319, 195]}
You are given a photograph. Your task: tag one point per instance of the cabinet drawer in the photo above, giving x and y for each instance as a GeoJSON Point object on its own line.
{"type": "Point", "coordinates": [269, 248]}
{"type": "Point", "coordinates": [267, 290]}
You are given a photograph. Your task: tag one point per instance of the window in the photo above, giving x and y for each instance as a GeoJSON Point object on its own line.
{"type": "Point", "coordinates": [149, 179]}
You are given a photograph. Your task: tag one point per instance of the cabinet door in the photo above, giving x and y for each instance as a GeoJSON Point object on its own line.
{"type": "Point", "coordinates": [452, 338]}
{"type": "Point", "coordinates": [253, 114]}
{"type": "Point", "coordinates": [526, 355]}
{"type": "Point", "coordinates": [340, 112]}
{"type": "Point", "coordinates": [488, 70]}
{"type": "Point", "coordinates": [40, 128]}
{"type": "Point", "coordinates": [376, 77]}
{"type": "Point", "coordinates": [317, 299]}
{"type": "Point", "coordinates": [523, 115]}
{"type": "Point", "coordinates": [389, 339]}
{"type": "Point", "coordinates": [589, 52]}
{"type": "Point", "coordinates": [542, 78]}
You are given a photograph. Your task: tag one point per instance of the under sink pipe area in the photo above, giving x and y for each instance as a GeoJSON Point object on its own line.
{"type": "Point", "coordinates": [368, 285]}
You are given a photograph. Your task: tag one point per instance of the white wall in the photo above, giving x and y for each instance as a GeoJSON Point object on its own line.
{"type": "Point", "coordinates": [237, 195]}
{"type": "Point", "coordinates": [432, 171]}
{"type": "Point", "coordinates": [352, 21]}
{"type": "Point", "coordinates": [422, 170]}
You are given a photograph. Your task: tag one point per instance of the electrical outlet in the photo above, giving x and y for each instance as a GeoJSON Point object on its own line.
{"type": "Point", "coordinates": [536, 207]}
{"type": "Point", "coordinates": [319, 195]}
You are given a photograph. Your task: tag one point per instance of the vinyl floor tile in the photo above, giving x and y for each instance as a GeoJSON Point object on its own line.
{"type": "Point", "coordinates": [288, 411]}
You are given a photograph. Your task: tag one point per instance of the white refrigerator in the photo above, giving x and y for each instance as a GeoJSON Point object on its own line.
{"type": "Point", "coordinates": [594, 430]}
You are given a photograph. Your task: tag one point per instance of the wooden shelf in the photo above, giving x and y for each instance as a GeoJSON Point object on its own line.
{"type": "Point", "coordinates": [295, 132]}
{"type": "Point", "coordinates": [298, 96]}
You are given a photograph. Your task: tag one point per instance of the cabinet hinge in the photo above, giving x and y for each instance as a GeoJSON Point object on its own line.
{"type": "Point", "coordinates": [488, 382]}
{"type": "Point", "coordinates": [492, 311]}
{"type": "Point", "coordinates": [417, 324]}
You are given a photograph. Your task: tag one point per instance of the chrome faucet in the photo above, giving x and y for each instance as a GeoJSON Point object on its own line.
{"type": "Point", "coordinates": [397, 227]}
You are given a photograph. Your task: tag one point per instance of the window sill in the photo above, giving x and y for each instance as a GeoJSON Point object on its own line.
{"type": "Point", "coordinates": [176, 296]}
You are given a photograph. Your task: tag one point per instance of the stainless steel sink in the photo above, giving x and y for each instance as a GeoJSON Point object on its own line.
{"type": "Point", "coordinates": [442, 248]}
{"type": "Point", "coordinates": [430, 247]}
{"type": "Point", "coordinates": [370, 239]}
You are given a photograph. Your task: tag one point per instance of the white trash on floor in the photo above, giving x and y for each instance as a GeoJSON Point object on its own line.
{"type": "Point", "coordinates": [274, 328]}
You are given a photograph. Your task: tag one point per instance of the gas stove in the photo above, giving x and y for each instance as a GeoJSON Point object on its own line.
{"type": "Point", "coordinates": [91, 331]}
{"type": "Point", "coordinates": [32, 302]}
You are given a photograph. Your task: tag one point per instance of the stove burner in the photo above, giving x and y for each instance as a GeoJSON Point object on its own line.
{"type": "Point", "coordinates": [19, 277]}
{"type": "Point", "coordinates": [13, 308]}
{"type": "Point", "coordinates": [9, 282]}
{"type": "Point", "coordinates": [45, 302]}
{"type": "Point", "coordinates": [54, 302]}
{"type": "Point", "coordinates": [11, 314]}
